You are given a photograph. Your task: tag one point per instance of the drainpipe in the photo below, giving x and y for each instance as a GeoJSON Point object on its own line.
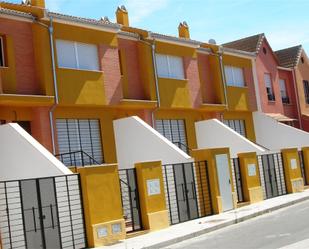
{"type": "Point", "coordinates": [51, 110]}
{"type": "Point", "coordinates": [153, 56]}
{"type": "Point", "coordinates": [223, 77]}
{"type": "Point", "coordinates": [297, 99]}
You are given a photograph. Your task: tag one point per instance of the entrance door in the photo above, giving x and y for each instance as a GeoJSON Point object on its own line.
{"type": "Point", "coordinates": [270, 178]}
{"type": "Point", "coordinates": [40, 213]}
{"type": "Point", "coordinates": [224, 181]}
{"type": "Point", "coordinates": [185, 191]}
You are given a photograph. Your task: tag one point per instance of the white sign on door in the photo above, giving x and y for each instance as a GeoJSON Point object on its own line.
{"type": "Point", "coordinates": [293, 163]}
{"type": "Point", "coordinates": [153, 187]}
{"type": "Point", "coordinates": [251, 169]}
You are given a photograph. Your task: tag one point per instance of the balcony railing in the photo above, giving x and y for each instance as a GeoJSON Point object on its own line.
{"type": "Point", "coordinates": [76, 158]}
{"type": "Point", "coordinates": [285, 100]}
{"type": "Point", "coordinates": [271, 97]}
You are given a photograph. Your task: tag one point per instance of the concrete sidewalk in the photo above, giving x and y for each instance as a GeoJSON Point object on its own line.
{"type": "Point", "coordinates": [194, 228]}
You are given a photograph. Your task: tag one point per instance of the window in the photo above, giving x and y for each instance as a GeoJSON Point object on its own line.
{"type": "Point", "coordinates": [236, 125]}
{"type": "Point", "coordinates": [169, 66]}
{"type": "Point", "coordinates": [234, 76]}
{"type": "Point", "coordinates": [77, 55]}
{"type": "Point", "coordinates": [269, 87]}
{"type": "Point", "coordinates": [264, 50]}
{"type": "Point", "coordinates": [283, 92]}
{"type": "Point", "coordinates": [302, 60]}
{"type": "Point", "coordinates": [79, 135]}
{"type": "Point", "coordinates": [174, 130]}
{"type": "Point", "coordinates": [306, 89]}
{"type": "Point", "coordinates": [2, 62]}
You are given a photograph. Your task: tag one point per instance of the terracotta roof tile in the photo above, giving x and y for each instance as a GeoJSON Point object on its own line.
{"type": "Point", "coordinates": [289, 57]}
{"type": "Point", "coordinates": [249, 44]}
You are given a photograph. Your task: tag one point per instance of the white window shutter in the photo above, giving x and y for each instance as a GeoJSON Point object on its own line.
{"type": "Point", "coordinates": [66, 54]}
{"type": "Point", "coordinates": [87, 56]}
{"type": "Point", "coordinates": [229, 75]}
{"type": "Point", "coordinates": [162, 66]}
{"type": "Point", "coordinates": [176, 67]}
{"type": "Point", "coordinates": [238, 77]}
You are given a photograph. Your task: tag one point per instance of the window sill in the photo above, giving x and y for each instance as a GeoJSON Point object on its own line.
{"type": "Point", "coordinates": [79, 69]}
{"type": "Point", "coordinates": [242, 87]}
{"type": "Point", "coordinates": [166, 78]}
{"type": "Point", "coordinates": [4, 67]}
{"type": "Point", "coordinates": [272, 102]}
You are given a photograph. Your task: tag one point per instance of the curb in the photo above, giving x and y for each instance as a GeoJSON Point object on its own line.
{"type": "Point", "coordinates": [224, 224]}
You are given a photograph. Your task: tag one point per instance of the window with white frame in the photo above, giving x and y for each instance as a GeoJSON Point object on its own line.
{"type": "Point", "coordinates": [169, 66]}
{"type": "Point", "coordinates": [77, 55]}
{"type": "Point", "coordinates": [269, 87]}
{"type": "Point", "coordinates": [236, 125]}
{"type": "Point", "coordinates": [234, 76]}
{"type": "Point", "coordinates": [2, 62]}
{"type": "Point", "coordinates": [283, 92]}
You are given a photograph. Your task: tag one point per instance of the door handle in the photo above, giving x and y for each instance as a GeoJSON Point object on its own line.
{"type": "Point", "coordinates": [52, 215]}
{"type": "Point", "coordinates": [34, 220]}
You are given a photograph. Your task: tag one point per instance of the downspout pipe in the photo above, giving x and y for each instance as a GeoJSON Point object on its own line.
{"type": "Point", "coordinates": [297, 99]}
{"type": "Point", "coordinates": [56, 99]}
{"type": "Point", "coordinates": [223, 77]}
{"type": "Point", "coordinates": [51, 111]}
{"type": "Point", "coordinates": [153, 57]}
{"type": "Point", "coordinates": [154, 62]}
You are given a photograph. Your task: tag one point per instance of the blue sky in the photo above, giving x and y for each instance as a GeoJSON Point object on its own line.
{"type": "Point", "coordinates": [285, 22]}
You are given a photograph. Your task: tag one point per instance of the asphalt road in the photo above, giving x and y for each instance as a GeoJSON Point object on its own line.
{"type": "Point", "coordinates": [287, 228]}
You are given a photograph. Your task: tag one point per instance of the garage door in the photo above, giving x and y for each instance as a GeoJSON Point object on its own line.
{"type": "Point", "coordinates": [174, 130]}
{"type": "Point", "coordinates": [79, 135]}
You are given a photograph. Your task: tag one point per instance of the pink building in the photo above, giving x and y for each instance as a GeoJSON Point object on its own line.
{"type": "Point", "coordinates": [276, 86]}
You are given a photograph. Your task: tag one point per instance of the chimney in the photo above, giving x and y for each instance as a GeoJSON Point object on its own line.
{"type": "Point", "coordinates": [122, 16]}
{"type": "Point", "coordinates": [183, 30]}
{"type": "Point", "coordinates": [35, 3]}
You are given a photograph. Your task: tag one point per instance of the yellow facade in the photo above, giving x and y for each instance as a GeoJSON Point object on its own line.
{"type": "Point", "coordinates": [292, 172]}
{"type": "Point", "coordinates": [102, 210]}
{"type": "Point", "coordinates": [209, 155]}
{"type": "Point", "coordinates": [250, 180]}
{"type": "Point", "coordinates": [153, 207]}
{"type": "Point", "coordinates": [305, 151]}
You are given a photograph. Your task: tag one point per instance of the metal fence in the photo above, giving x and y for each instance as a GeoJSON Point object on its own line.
{"type": "Point", "coordinates": [130, 199]}
{"type": "Point", "coordinates": [42, 213]}
{"type": "Point", "coordinates": [272, 175]}
{"type": "Point", "coordinates": [76, 158]}
{"type": "Point", "coordinates": [302, 166]}
{"type": "Point", "coordinates": [187, 191]}
{"type": "Point", "coordinates": [237, 179]}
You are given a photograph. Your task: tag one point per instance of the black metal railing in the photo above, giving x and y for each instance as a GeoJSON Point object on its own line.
{"type": "Point", "coordinates": [183, 147]}
{"type": "Point", "coordinates": [285, 100]}
{"type": "Point", "coordinates": [302, 166]}
{"type": "Point", "coordinates": [187, 189]}
{"type": "Point", "coordinates": [77, 158]}
{"type": "Point", "coordinates": [273, 176]}
{"type": "Point", "coordinates": [238, 180]}
{"type": "Point", "coordinates": [271, 97]}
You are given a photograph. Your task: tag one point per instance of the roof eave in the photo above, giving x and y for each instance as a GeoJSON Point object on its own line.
{"type": "Point", "coordinates": [174, 40]}
{"type": "Point", "coordinates": [109, 27]}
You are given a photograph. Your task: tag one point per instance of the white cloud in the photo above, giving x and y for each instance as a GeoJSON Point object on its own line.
{"type": "Point", "coordinates": [287, 37]}
{"type": "Point", "coordinates": [140, 9]}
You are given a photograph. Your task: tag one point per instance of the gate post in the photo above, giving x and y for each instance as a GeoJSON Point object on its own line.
{"type": "Point", "coordinates": [250, 177]}
{"type": "Point", "coordinates": [102, 205]}
{"type": "Point", "coordinates": [292, 172]}
{"type": "Point", "coordinates": [305, 151]}
{"type": "Point", "coordinates": [151, 195]}
{"type": "Point", "coordinates": [209, 155]}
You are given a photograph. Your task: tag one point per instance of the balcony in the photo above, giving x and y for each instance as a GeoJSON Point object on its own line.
{"type": "Point", "coordinates": [285, 100]}
{"type": "Point", "coordinates": [271, 97]}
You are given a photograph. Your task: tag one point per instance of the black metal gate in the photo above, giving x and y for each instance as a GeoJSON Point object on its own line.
{"type": "Point", "coordinates": [130, 200]}
{"type": "Point", "coordinates": [302, 166]}
{"type": "Point", "coordinates": [237, 179]}
{"type": "Point", "coordinates": [42, 213]}
{"type": "Point", "coordinates": [187, 191]}
{"type": "Point", "coordinates": [272, 175]}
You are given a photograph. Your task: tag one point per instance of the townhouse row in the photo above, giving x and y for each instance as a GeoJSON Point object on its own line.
{"type": "Point", "coordinates": [173, 129]}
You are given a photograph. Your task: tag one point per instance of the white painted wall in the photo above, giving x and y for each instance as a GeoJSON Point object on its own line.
{"type": "Point", "coordinates": [212, 134]}
{"type": "Point", "coordinates": [275, 135]}
{"type": "Point", "coordinates": [21, 156]}
{"type": "Point", "coordinates": [136, 141]}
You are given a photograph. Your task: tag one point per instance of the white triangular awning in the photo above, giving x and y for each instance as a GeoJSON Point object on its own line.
{"type": "Point", "coordinates": [280, 117]}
